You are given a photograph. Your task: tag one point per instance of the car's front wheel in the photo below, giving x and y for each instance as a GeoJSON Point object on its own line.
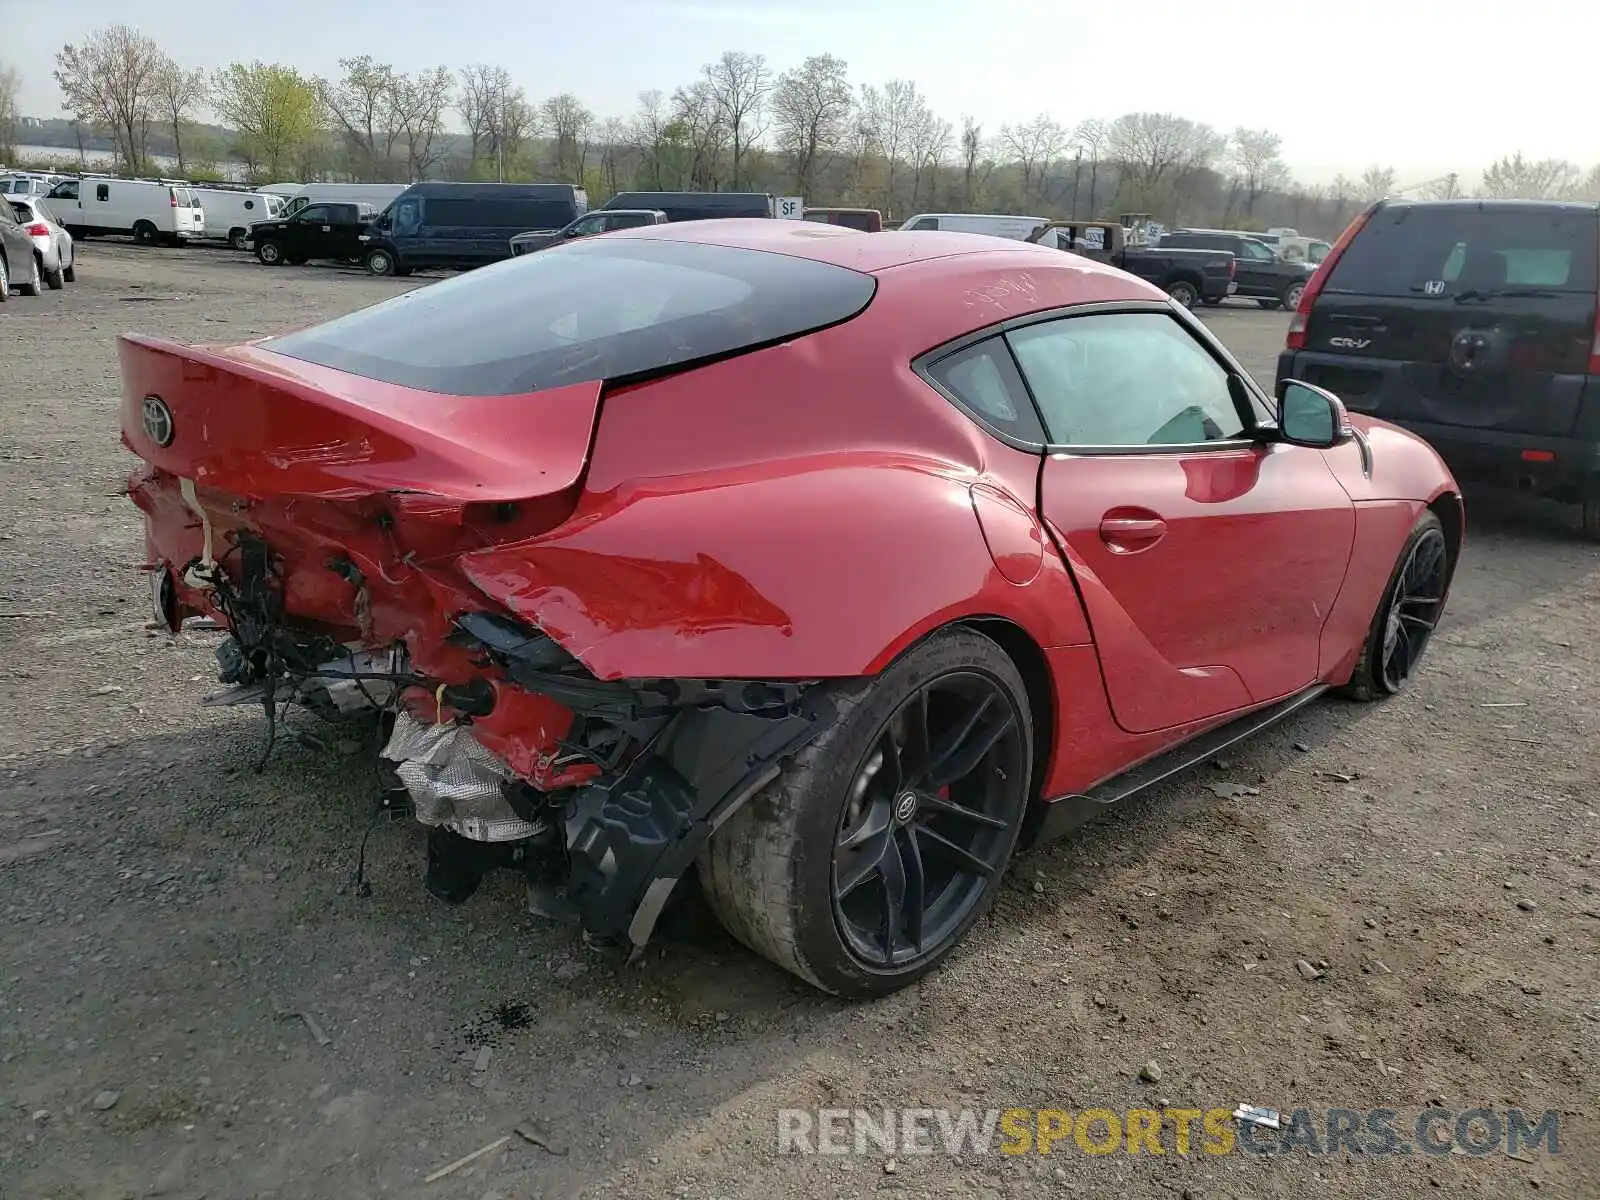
{"type": "Point", "coordinates": [70, 271]}
{"type": "Point", "coordinates": [1291, 295]}
{"type": "Point", "coordinates": [1407, 614]}
{"type": "Point", "coordinates": [864, 864]}
{"type": "Point", "coordinates": [53, 279]}
{"type": "Point", "coordinates": [270, 254]}
{"type": "Point", "coordinates": [379, 262]}
{"type": "Point", "coordinates": [5, 282]}
{"type": "Point", "coordinates": [1184, 292]}
{"type": "Point", "coordinates": [239, 239]}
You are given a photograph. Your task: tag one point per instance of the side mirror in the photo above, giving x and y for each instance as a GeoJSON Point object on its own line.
{"type": "Point", "coordinates": [1311, 416]}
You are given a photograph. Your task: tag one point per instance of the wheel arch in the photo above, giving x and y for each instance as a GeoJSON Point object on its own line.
{"type": "Point", "coordinates": [1029, 658]}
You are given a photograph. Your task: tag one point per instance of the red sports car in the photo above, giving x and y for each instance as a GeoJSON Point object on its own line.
{"type": "Point", "coordinates": [831, 565]}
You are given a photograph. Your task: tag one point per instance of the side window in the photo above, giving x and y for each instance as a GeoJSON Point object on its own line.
{"type": "Point", "coordinates": [102, 191]}
{"type": "Point", "coordinates": [315, 214]}
{"type": "Point", "coordinates": [65, 191]}
{"type": "Point", "coordinates": [249, 204]}
{"type": "Point", "coordinates": [927, 223]}
{"type": "Point", "coordinates": [408, 215]}
{"type": "Point", "coordinates": [1256, 250]}
{"type": "Point", "coordinates": [1125, 379]}
{"type": "Point", "coordinates": [984, 378]}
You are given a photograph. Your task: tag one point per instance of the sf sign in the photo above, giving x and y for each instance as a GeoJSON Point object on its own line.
{"type": "Point", "coordinates": [789, 208]}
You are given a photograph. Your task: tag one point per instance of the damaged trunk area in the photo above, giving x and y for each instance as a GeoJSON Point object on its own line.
{"type": "Point", "coordinates": [336, 568]}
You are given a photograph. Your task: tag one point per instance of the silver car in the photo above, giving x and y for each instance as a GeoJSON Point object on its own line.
{"type": "Point", "coordinates": [52, 245]}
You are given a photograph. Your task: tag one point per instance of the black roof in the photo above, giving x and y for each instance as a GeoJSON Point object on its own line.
{"type": "Point", "coordinates": [509, 191]}
{"type": "Point", "coordinates": [1501, 206]}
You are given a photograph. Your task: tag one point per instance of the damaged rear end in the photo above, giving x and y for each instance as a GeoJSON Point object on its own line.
{"type": "Point", "coordinates": [322, 497]}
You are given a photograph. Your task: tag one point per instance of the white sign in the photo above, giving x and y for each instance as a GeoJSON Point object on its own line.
{"type": "Point", "coordinates": [790, 208]}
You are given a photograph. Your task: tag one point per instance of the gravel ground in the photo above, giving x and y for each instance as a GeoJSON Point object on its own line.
{"type": "Point", "coordinates": [1432, 858]}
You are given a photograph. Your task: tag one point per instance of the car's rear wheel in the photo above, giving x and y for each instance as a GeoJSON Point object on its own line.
{"type": "Point", "coordinates": [70, 271]}
{"type": "Point", "coordinates": [865, 863]}
{"type": "Point", "coordinates": [144, 233]}
{"type": "Point", "coordinates": [379, 262]}
{"type": "Point", "coordinates": [53, 278]}
{"type": "Point", "coordinates": [270, 254]}
{"type": "Point", "coordinates": [33, 285]}
{"type": "Point", "coordinates": [5, 282]}
{"type": "Point", "coordinates": [296, 260]}
{"type": "Point", "coordinates": [1589, 509]}
{"type": "Point", "coordinates": [239, 239]}
{"type": "Point", "coordinates": [1184, 292]}
{"type": "Point", "coordinates": [1407, 615]}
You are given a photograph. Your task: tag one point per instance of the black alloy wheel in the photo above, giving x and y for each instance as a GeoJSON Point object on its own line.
{"type": "Point", "coordinates": [1415, 604]}
{"type": "Point", "coordinates": [930, 820]}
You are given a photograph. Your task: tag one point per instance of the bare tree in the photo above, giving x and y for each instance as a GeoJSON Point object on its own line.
{"type": "Point", "coordinates": [511, 124]}
{"type": "Point", "coordinates": [484, 91]}
{"type": "Point", "coordinates": [10, 118]}
{"type": "Point", "coordinates": [1446, 187]}
{"type": "Point", "coordinates": [361, 105]}
{"type": "Point", "coordinates": [1589, 189]}
{"type": "Point", "coordinates": [1159, 153]}
{"type": "Point", "coordinates": [109, 80]}
{"type": "Point", "coordinates": [932, 141]}
{"type": "Point", "coordinates": [613, 138]}
{"type": "Point", "coordinates": [971, 148]}
{"type": "Point", "coordinates": [273, 109]}
{"type": "Point", "coordinates": [418, 103]}
{"type": "Point", "coordinates": [178, 92]}
{"type": "Point", "coordinates": [1091, 138]}
{"type": "Point", "coordinates": [739, 84]}
{"type": "Point", "coordinates": [570, 124]}
{"type": "Point", "coordinates": [1376, 182]}
{"type": "Point", "coordinates": [1036, 145]}
{"type": "Point", "coordinates": [651, 133]}
{"type": "Point", "coordinates": [812, 106]}
{"type": "Point", "coordinates": [1257, 158]}
{"type": "Point", "coordinates": [898, 112]}
{"type": "Point", "coordinates": [696, 112]}
{"type": "Point", "coordinates": [1518, 178]}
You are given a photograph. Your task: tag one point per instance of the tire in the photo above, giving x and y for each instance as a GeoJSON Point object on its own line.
{"type": "Point", "coordinates": [1269, 305]}
{"type": "Point", "coordinates": [270, 254]}
{"type": "Point", "coordinates": [70, 271]}
{"type": "Point", "coordinates": [144, 234]}
{"type": "Point", "coordinates": [1183, 292]}
{"type": "Point", "coordinates": [1371, 680]}
{"type": "Point", "coordinates": [5, 282]}
{"type": "Point", "coordinates": [1216, 303]}
{"type": "Point", "coordinates": [239, 239]}
{"type": "Point", "coordinates": [35, 282]}
{"type": "Point", "coordinates": [53, 279]}
{"type": "Point", "coordinates": [296, 260]}
{"type": "Point", "coordinates": [1291, 295]}
{"type": "Point", "coordinates": [379, 261]}
{"type": "Point", "coordinates": [1589, 509]}
{"type": "Point", "coordinates": [769, 872]}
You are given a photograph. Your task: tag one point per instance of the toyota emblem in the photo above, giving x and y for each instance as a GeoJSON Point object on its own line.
{"type": "Point", "coordinates": [157, 419]}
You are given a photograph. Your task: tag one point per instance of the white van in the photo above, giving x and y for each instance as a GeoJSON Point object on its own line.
{"type": "Point", "coordinates": [1016, 228]}
{"type": "Point", "coordinates": [229, 214]}
{"type": "Point", "coordinates": [376, 194]}
{"type": "Point", "coordinates": [148, 209]}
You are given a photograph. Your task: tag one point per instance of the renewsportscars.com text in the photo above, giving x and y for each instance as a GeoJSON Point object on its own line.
{"type": "Point", "coordinates": [1176, 1131]}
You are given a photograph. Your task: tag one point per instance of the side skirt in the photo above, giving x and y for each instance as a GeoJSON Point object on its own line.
{"type": "Point", "coordinates": [1066, 813]}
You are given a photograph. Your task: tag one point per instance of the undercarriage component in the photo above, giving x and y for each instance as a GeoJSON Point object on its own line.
{"type": "Point", "coordinates": [456, 784]}
{"type": "Point", "coordinates": [631, 839]}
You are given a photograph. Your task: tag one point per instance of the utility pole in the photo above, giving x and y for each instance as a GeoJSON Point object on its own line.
{"type": "Point", "coordinates": [500, 138]}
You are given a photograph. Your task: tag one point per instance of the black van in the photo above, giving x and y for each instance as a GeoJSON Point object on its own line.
{"type": "Point", "coordinates": [1474, 324]}
{"type": "Point", "coordinates": [464, 225]}
{"type": "Point", "coordinates": [696, 206]}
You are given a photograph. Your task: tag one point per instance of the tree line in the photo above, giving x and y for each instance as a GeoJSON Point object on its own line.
{"type": "Point", "coordinates": [740, 124]}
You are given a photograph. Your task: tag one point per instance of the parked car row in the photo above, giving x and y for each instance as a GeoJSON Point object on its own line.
{"type": "Point", "coordinates": [36, 252]}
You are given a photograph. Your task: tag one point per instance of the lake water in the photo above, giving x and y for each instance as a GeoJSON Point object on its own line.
{"type": "Point", "coordinates": [67, 158]}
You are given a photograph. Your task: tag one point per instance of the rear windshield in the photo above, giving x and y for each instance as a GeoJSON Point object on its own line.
{"type": "Point", "coordinates": [602, 309]}
{"type": "Point", "coordinates": [1445, 251]}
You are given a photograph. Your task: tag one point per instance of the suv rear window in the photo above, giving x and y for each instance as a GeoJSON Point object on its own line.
{"type": "Point", "coordinates": [1408, 250]}
{"type": "Point", "coordinates": [602, 309]}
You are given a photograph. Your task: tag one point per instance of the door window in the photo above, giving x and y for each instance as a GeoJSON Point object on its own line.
{"type": "Point", "coordinates": [927, 223]}
{"type": "Point", "coordinates": [1125, 379]}
{"type": "Point", "coordinates": [408, 216]}
{"type": "Point", "coordinates": [315, 214]}
{"type": "Point", "coordinates": [102, 191]}
{"type": "Point", "coordinates": [1254, 250]}
{"type": "Point", "coordinates": [594, 223]}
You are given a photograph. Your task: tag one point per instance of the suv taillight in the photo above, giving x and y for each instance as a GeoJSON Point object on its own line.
{"type": "Point", "coordinates": [1594, 347]}
{"type": "Point", "coordinates": [1296, 339]}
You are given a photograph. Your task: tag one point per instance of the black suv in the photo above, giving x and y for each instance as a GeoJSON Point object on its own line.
{"type": "Point", "coordinates": [316, 231]}
{"type": "Point", "coordinates": [1259, 273]}
{"type": "Point", "coordinates": [1472, 323]}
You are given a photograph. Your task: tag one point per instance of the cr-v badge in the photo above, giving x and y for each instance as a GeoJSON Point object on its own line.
{"type": "Point", "coordinates": [1350, 343]}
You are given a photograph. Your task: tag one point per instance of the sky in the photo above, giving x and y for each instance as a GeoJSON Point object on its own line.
{"type": "Point", "coordinates": [1427, 86]}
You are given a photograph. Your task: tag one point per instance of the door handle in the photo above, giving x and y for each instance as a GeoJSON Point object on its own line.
{"type": "Point", "coordinates": [1127, 533]}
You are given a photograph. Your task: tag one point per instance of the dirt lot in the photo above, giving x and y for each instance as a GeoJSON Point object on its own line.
{"type": "Point", "coordinates": [159, 902]}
